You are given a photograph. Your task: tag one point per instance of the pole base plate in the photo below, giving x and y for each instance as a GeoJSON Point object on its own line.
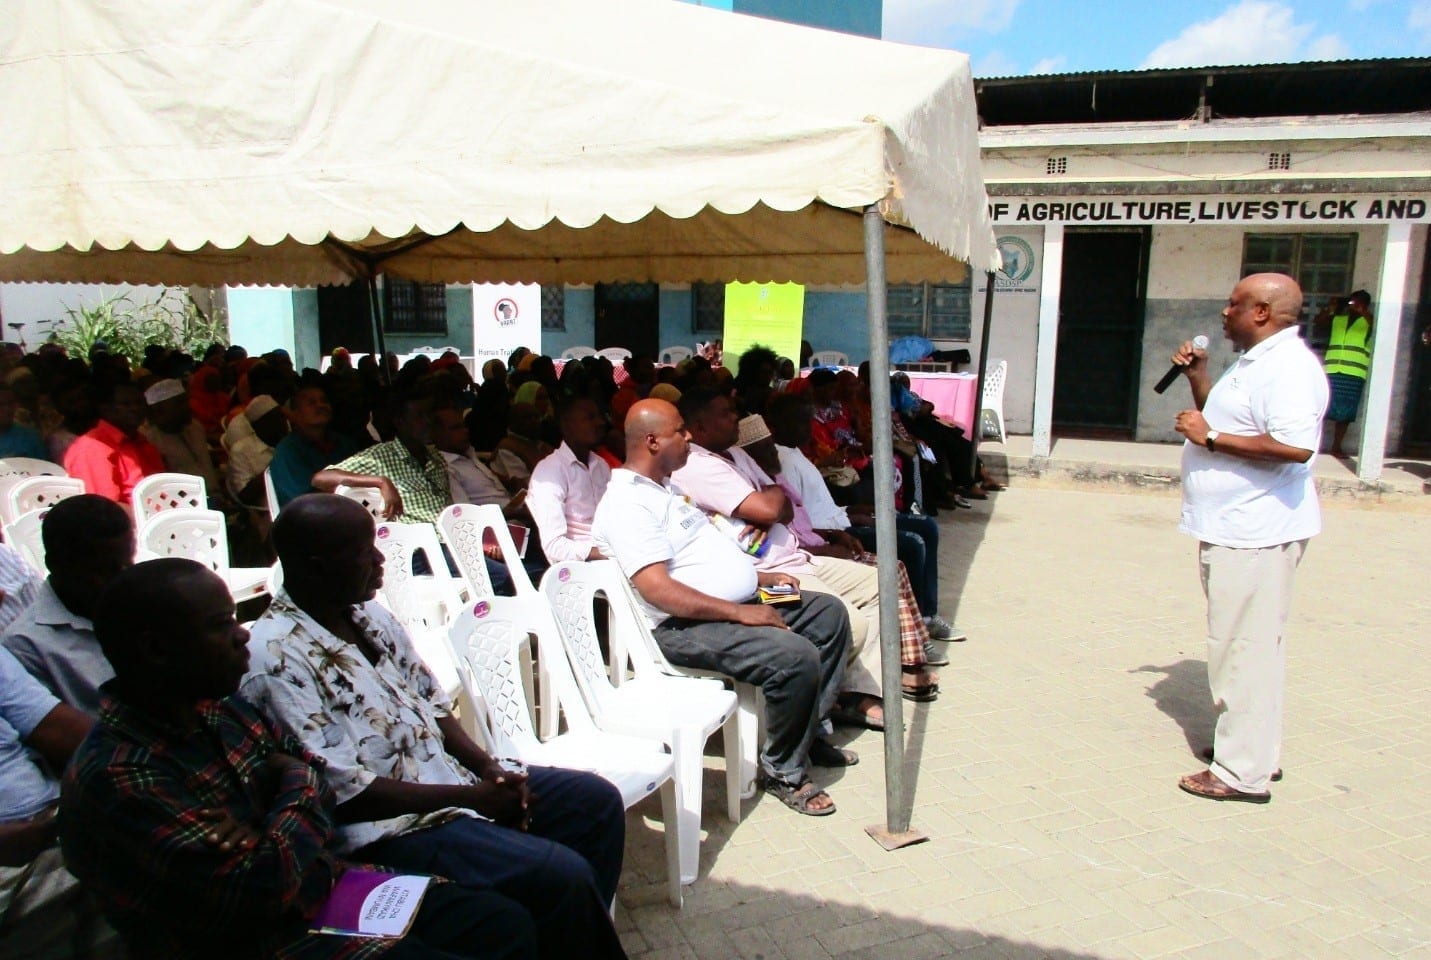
{"type": "Point", "coordinates": [894, 841]}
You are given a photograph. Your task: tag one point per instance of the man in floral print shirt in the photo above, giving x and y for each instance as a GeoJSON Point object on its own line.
{"type": "Point", "coordinates": [413, 790]}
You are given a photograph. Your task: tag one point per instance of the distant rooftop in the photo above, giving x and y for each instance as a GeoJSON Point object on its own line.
{"type": "Point", "coordinates": [1390, 86]}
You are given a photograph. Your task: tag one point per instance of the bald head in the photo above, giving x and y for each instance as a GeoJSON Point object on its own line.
{"type": "Point", "coordinates": [329, 554]}
{"type": "Point", "coordinates": [656, 440]}
{"type": "Point", "coordinates": [318, 523]}
{"type": "Point", "coordinates": [1281, 294]}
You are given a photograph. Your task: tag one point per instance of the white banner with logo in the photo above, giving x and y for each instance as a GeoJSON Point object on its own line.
{"type": "Point", "coordinates": [505, 316]}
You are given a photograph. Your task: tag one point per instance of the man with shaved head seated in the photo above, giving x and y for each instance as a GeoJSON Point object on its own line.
{"type": "Point", "coordinates": [201, 829]}
{"type": "Point", "coordinates": [414, 791]}
{"type": "Point", "coordinates": [696, 588]}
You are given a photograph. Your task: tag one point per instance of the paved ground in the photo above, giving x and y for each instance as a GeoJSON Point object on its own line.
{"type": "Point", "coordinates": [1045, 776]}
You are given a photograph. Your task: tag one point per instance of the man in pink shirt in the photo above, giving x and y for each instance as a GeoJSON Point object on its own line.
{"type": "Point", "coordinates": [567, 485]}
{"type": "Point", "coordinates": [113, 457]}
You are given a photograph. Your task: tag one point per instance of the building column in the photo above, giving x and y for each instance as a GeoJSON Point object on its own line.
{"type": "Point", "coordinates": [1050, 290]}
{"type": "Point", "coordinates": [1391, 298]}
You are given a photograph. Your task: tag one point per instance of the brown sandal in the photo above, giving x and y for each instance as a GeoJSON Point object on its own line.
{"type": "Point", "coordinates": [799, 796]}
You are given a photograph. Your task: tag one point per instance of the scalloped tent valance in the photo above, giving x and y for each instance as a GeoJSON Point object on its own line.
{"type": "Point", "coordinates": [303, 142]}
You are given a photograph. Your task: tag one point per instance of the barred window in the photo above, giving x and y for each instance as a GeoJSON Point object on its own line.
{"type": "Point", "coordinates": [1322, 263]}
{"type": "Point", "coordinates": [411, 307]}
{"type": "Point", "coordinates": [554, 307]}
{"type": "Point", "coordinates": [939, 311]}
{"type": "Point", "coordinates": [707, 307]}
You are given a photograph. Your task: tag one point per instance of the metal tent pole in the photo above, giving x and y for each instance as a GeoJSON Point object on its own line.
{"type": "Point", "coordinates": [894, 832]}
{"type": "Point", "coordinates": [380, 346]}
{"type": "Point", "coordinates": [978, 436]}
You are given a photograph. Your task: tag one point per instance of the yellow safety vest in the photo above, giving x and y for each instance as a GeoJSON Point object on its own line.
{"type": "Point", "coordinates": [1347, 353]}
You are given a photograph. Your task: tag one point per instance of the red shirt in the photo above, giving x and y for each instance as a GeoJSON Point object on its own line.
{"type": "Point", "coordinates": [111, 463]}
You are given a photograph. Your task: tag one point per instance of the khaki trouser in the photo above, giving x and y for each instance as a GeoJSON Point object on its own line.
{"type": "Point", "coordinates": [857, 585]}
{"type": "Point", "coordinates": [1249, 593]}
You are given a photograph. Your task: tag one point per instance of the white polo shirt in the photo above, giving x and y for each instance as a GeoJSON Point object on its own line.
{"type": "Point", "coordinates": [1278, 388]}
{"type": "Point", "coordinates": [640, 522]}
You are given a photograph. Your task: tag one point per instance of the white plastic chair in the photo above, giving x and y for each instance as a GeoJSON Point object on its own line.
{"type": "Point", "coordinates": [464, 527]}
{"type": "Point", "coordinates": [23, 535]}
{"type": "Point", "coordinates": [200, 535]}
{"type": "Point", "coordinates": [631, 640]}
{"type": "Point", "coordinates": [424, 605]}
{"type": "Point", "coordinates": [829, 358]}
{"type": "Point", "coordinates": [576, 353]}
{"type": "Point", "coordinates": [167, 491]}
{"type": "Point", "coordinates": [30, 467]}
{"type": "Point", "coordinates": [991, 407]}
{"type": "Point", "coordinates": [489, 638]}
{"type": "Point", "coordinates": [614, 354]}
{"type": "Point", "coordinates": [39, 493]}
{"type": "Point", "coordinates": [674, 355]}
{"type": "Point", "coordinates": [682, 712]}
{"type": "Point", "coordinates": [15, 470]}
{"type": "Point", "coordinates": [370, 498]}
{"type": "Point", "coordinates": [271, 493]}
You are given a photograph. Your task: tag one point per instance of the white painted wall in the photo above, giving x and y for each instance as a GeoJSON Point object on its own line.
{"type": "Point", "coordinates": [33, 305]}
{"type": "Point", "coordinates": [1014, 333]}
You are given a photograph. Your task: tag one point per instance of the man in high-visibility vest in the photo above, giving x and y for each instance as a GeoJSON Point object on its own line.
{"type": "Point", "coordinates": [1347, 362]}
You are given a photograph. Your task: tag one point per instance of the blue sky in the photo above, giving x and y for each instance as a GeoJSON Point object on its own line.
{"type": "Point", "coordinates": [1010, 37]}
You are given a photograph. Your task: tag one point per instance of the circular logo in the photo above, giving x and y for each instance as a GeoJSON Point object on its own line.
{"type": "Point", "coordinates": [563, 574]}
{"type": "Point", "coordinates": [457, 511]}
{"type": "Point", "coordinates": [482, 609]}
{"type": "Point", "coordinates": [505, 310]}
{"type": "Point", "coordinates": [1018, 259]}
{"type": "Point", "coordinates": [383, 531]}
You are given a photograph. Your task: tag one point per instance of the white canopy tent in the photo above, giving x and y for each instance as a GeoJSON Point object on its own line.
{"type": "Point", "coordinates": [307, 142]}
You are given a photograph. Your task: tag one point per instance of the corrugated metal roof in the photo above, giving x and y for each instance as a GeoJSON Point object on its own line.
{"type": "Point", "coordinates": [1315, 88]}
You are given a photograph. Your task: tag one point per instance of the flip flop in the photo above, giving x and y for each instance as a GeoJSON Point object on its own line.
{"type": "Point", "coordinates": [798, 796]}
{"type": "Point", "coordinates": [925, 694]}
{"type": "Point", "coordinates": [823, 753]}
{"type": "Point", "coordinates": [1209, 787]}
{"type": "Point", "coordinates": [852, 717]}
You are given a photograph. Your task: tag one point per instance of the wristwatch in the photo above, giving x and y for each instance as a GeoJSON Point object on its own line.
{"type": "Point", "coordinates": [1211, 441]}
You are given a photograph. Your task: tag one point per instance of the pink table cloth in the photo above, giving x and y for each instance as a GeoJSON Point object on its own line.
{"type": "Point", "coordinates": [953, 396]}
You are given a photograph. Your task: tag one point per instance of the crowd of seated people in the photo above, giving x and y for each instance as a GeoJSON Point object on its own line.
{"type": "Point", "coordinates": [218, 784]}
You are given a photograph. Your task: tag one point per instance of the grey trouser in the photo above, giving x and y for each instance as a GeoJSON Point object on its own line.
{"type": "Point", "coordinates": [799, 670]}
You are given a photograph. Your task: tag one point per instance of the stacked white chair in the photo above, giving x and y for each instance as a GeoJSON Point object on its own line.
{"type": "Point", "coordinates": [615, 354]}
{"type": "Point", "coordinates": [682, 712]}
{"type": "Point", "coordinates": [200, 535]}
{"type": "Point", "coordinates": [674, 355]}
{"type": "Point", "coordinates": [489, 638]}
{"type": "Point", "coordinates": [576, 353]}
{"type": "Point", "coordinates": [16, 470]}
{"type": "Point", "coordinates": [829, 358]}
{"type": "Point", "coordinates": [24, 537]}
{"type": "Point", "coordinates": [991, 406]}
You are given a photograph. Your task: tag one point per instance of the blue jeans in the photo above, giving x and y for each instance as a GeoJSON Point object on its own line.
{"type": "Point", "coordinates": [562, 872]}
{"type": "Point", "coordinates": [918, 545]}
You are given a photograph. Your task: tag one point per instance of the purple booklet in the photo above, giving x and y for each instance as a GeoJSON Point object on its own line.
{"type": "Point", "coordinates": [369, 903]}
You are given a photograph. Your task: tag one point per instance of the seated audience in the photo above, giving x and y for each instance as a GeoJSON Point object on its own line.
{"type": "Point", "coordinates": [17, 440]}
{"type": "Point", "coordinates": [88, 542]}
{"type": "Point", "coordinates": [202, 829]}
{"type": "Point", "coordinates": [19, 585]}
{"type": "Point", "coordinates": [696, 588]}
{"type": "Point", "coordinates": [178, 436]}
{"type": "Point", "coordinates": [312, 445]}
{"type": "Point", "coordinates": [74, 402]}
{"type": "Point", "coordinates": [522, 448]}
{"type": "Point", "coordinates": [918, 536]}
{"type": "Point", "coordinates": [915, 649]}
{"type": "Point", "coordinates": [114, 456]}
{"type": "Point", "coordinates": [470, 479]}
{"type": "Point", "coordinates": [43, 911]}
{"type": "Point", "coordinates": [566, 487]}
{"type": "Point", "coordinates": [413, 790]}
{"type": "Point", "coordinates": [408, 470]}
{"type": "Point", "coordinates": [721, 479]}
{"type": "Point", "coordinates": [252, 450]}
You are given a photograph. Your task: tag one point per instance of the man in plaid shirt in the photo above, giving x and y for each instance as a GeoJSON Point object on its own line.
{"type": "Point", "coordinates": [202, 830]}
{"type": "Point", "coordinates": [408, 471]}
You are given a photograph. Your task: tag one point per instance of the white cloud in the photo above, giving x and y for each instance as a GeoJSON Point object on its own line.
{"type": "Point", "coordinates": [1328, 47]}
{"type": "Point", "coordinates": [995, 63]}
{"type": "Point", "coordinates": [936, 22]}
{"type": "Point", "coordinates": [1418, 20]}
{"type": "Point", "coordinates": [1048, 65]}
{"type": "Point", "coordinates": [1253, 31]}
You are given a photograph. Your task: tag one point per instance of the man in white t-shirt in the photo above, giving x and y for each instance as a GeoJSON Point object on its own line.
{"type": "Point", "coordinates": [695, 586]}
{"type": "Point", "coordinates": [1248, 497]}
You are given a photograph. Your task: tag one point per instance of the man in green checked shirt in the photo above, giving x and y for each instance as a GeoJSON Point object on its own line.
{"type": "Point", "coordinates": [408, 471]}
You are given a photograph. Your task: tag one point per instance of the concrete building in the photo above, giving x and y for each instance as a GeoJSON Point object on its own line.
{"type": "Point", "coordinates": [1129, 204]}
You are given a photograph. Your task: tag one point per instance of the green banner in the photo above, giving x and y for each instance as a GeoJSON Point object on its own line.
{"type": "Point", "coordinates": [768, 314]}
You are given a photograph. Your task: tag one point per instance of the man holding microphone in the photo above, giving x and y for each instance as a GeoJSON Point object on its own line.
{"type": "Point", "coordinates": [1249, 499]}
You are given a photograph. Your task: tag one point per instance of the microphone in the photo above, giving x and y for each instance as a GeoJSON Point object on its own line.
{"type": "Point", "coordinates": [1199, 343]}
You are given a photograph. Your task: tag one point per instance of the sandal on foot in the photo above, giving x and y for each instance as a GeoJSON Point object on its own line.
{"type": "Point", "coordinates": [823, 753]}
{"type": "Point", "coordinates": [924, 694]}
{"type": "Point", "coordinates": [798, 797]}
{"type": "Point", "coordinates": [849, 713]}
{"type": "Point", "coordinates": [1209, 787]}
